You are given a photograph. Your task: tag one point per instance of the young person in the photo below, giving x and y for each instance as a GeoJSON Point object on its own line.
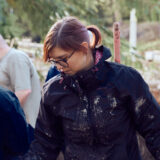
{"type": "Point", "coordinates": [93, 109]}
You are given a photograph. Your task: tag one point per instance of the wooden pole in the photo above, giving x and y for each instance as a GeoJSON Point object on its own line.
{"type": "Point", "coordinates": [116, 36]}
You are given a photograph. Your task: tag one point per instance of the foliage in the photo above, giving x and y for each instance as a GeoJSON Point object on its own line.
{"type": "Point", "coordinates": [37, 16]}
{"type": "Point", "coordinates": [9, 25]}
{"type": "Point", "coordinates": [147, 10]}
{"type": "Point", "coordinates": [149, 46]}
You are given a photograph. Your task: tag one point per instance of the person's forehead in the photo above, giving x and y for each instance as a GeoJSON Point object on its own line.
{"type": "Point", "coordinates": [58, 53]}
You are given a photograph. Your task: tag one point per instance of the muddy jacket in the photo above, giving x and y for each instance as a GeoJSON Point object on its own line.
{"type": "Point", "coordinates": [95, 114]}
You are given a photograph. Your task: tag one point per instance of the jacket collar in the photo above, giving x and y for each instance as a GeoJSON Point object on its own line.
{"type": "Point", "coordinates": [90, 79]}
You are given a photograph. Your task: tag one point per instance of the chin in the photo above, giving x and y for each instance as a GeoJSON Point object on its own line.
{"type": "Point", "coordinates": [70, 73]}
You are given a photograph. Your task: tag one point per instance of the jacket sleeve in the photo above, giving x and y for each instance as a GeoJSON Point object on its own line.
{"type": "Point", "coordinates": [48, 135]}
{"type": "Point", "coordinates": [144, 110]}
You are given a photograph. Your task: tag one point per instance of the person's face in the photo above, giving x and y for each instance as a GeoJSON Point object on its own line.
{"type": "Point", "coordinates": [70, 62]}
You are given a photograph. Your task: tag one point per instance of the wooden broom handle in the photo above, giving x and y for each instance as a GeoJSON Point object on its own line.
{"type": "Point", "coordinates": [116, 36]}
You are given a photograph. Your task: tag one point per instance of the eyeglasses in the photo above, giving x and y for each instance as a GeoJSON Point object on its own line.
{"type": "Point", "coordinates": [62, 62]}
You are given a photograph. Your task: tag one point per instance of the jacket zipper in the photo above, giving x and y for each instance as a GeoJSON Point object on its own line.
{"type": "Point", "coordinates": [91, 118]}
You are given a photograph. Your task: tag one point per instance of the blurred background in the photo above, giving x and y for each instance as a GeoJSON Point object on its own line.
{"type": "Point", "coordinates": [24, 24]}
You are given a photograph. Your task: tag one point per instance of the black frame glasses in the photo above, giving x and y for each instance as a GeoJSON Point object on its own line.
{"type": "Point", "coordinates": [62, 62]}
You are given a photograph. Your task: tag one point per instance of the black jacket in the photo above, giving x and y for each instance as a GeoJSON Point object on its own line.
{"type": "Point", "coordinates": [95, 114]}
{"type": "Point", "coordinates": [14, 131]}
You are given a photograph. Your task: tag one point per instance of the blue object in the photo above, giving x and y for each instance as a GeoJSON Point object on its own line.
{"type": "Point", "coordinates": [15, 134]}
{"type": "Point", "coordinates": [51, 73]}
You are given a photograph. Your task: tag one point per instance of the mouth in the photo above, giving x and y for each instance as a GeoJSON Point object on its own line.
{"type": "Point", "coordinates": [67, 71]}
{"type": "Point", "coordinates": [63, 71]}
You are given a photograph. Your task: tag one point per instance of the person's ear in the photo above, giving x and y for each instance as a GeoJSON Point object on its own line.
{"type": "Point", "coordinates": [85, 47]}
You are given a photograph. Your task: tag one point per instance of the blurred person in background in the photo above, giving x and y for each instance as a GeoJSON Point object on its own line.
{"type": "Point", "coordinates": [18, 74]}
{"type": "Point", "coordinates": [15, 132]}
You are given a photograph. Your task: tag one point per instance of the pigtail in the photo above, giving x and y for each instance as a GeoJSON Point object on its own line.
{"type": "Point", "coordinates": [96, 38]}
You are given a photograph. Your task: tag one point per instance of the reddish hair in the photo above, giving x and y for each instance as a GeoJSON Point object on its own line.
{"type": "Point", "coordinates": [68, 34]}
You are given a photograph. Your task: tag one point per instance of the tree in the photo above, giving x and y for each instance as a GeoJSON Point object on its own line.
{"type": "Point", "coordinates": [9, 26]}
{"type": "Point", "coordinates": [40, 14]}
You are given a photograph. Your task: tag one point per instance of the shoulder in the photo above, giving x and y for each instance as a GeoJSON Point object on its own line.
{"type": "Point", "coordinates": [123, 71]}
{"type": "Point", "coordinates": [126, 78]}
{"type": "Point", "coordinates": [7, 100]}
{"type": "Point", "coordinates": [5, 93]}
{"type": "Point", "coordinates": [16, 55]}
{"type": "Point", "coordinates": [54, 89]}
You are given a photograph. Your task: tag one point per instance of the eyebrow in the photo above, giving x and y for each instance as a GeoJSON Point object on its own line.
{"type": "Point", "coordinates": [59, 57]}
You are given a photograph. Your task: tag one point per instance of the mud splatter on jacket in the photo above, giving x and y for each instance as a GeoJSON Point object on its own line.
{"type": "Point", "coordinates": [95, 114]}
